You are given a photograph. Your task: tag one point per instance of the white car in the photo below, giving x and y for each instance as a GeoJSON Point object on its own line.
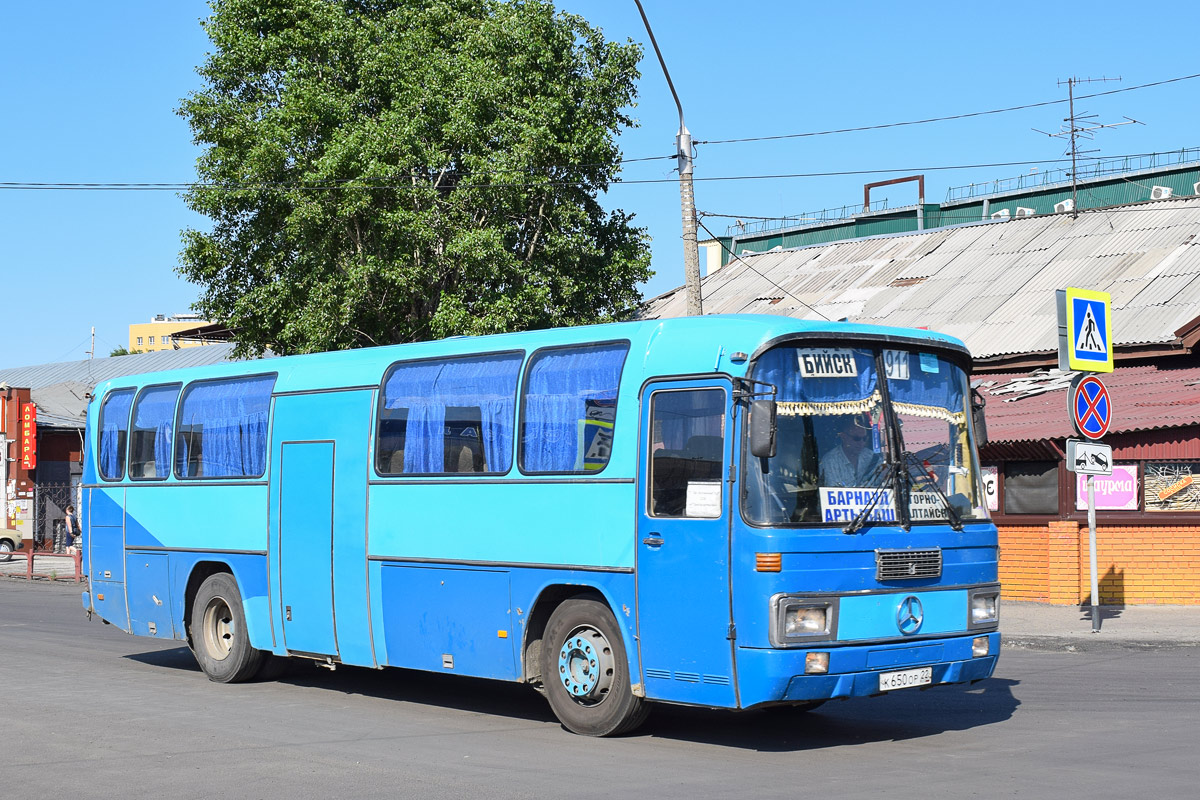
{"type": "Point", "coordinates": [10, 540]}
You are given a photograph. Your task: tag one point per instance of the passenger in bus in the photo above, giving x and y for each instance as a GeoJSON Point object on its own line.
{"type": "Point", "coordinates": [853, 462]}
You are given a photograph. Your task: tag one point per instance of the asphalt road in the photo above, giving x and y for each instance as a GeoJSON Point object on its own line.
{"type": "Point", "coordinates": [87, 711]}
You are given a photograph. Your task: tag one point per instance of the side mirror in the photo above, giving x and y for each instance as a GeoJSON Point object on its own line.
{"type": "Point", "coordinates": [977, 404]}
{"type": "Point", "coordinates": [762, 428]}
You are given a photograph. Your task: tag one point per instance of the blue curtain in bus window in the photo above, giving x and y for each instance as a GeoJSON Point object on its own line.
{"type": "Point", "coordinates": [782, 367]}
{"type": "Point", "coordinates": [428, 388]}
{"type": "Point", "coordinates": [156, 411]}
{"type": "Point", "coordinates": [928, 381]}
{"type": "Point", "coordinates": [223, 428]}
{"type": "Point", "coordinates": [114, 424]}
{"type": "Point", "coordinates": [570, 408]}
{"type": "Point", "coordinates": [682, 415]}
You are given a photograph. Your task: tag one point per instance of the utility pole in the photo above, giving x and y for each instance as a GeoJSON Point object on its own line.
{"type": "Point", "coordinates": [92, 352]}
{"type": "Point", "coordinates": [687, 194]}
{"type": "Point", "coordinates": [1081, 127]}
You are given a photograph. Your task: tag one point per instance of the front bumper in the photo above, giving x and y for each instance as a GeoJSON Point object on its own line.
{"type": "Point", "coordinates": [777, 676]}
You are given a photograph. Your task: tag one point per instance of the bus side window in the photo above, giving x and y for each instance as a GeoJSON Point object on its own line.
{"type": "Point", "coordinates": [114, 434]}
{"type": "Point", "coordinates": [448, 416]}
{"type": "Point", "coordinates": [223, 428]}
{"type": "Point", "coordinates": [687, 451]}
{"type": "Point", "coordinates": [569, 410]}
{"type": "Point", "coordinates": [151, 436]}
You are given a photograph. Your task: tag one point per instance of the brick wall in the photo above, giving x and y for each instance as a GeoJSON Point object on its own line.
{"type": "Point", "coordinates": [1135, 565]}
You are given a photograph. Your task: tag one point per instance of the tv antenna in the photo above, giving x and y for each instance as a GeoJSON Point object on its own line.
{"type": "Point", "coordinates": [1081, 126]}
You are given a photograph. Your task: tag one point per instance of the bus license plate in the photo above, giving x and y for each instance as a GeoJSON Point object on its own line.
{"type": "Point", "coordinates": [906, 678]}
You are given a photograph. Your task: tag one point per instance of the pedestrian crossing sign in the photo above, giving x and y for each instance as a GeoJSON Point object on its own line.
{"type": "Point", "coordinates": [1085, 330]}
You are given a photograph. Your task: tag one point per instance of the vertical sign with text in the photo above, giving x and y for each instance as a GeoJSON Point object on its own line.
{"type": "Point", "coordinates": [28, 436]}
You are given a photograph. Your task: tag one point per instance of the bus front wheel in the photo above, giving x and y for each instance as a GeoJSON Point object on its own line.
{"type": "Point", "coordinates": [586, 673]}
{"type": "Point", "coordinates": [219, 639]}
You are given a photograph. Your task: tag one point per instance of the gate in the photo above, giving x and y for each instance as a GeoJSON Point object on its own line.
{"type": "Point", "coordinates": [50, 501]}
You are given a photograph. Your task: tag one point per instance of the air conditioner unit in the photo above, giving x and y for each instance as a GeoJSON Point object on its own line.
{"type": "Point", "coordinates": [1196, 187]}
{"type": "Point", "coordinates": [1025, 212]}
{"type": "Point", "coordinates": [1161, 192]}
{"type": "Point", "coordinates": [1001, 214]}
{"type": "Point", "coordinates": [1065, 205]}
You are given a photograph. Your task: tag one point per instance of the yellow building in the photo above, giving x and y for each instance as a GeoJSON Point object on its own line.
{"type": "Point", "coordinates": [159, 333]}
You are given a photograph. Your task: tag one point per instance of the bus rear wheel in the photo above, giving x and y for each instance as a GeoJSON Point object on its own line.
{"type": "Point", "coordinates": [218, 633]}
{"type": "Point", "coordinates": [585, 671]}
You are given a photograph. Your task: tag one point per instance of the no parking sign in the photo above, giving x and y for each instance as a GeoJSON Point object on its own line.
{"type": "Point", "coordinates": [1090, 406]}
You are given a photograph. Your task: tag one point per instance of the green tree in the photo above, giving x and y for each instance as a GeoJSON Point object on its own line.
{"type": "Point", "coordinates": [380, 171]}
{"type": "Point", "coordinates": [123, 351]}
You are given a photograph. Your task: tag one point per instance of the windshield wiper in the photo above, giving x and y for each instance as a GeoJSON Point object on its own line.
{"type": "Point", "coordinates": [910, 459]}
{"type": "Point", "coordinates": [889, 472]}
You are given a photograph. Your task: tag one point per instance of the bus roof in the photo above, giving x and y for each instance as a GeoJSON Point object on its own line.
{"type": "Point", "coordinates": [673, 346]}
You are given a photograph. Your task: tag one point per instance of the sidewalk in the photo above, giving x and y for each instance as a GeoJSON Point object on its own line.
{"type": "Point", "coordinates": [1039, 626]}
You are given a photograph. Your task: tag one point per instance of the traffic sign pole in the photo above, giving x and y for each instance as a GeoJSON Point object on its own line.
{"type": "Point", "coordinates": [1085, 344]}
{"type": "Point", "coordinates": [1092, 552]}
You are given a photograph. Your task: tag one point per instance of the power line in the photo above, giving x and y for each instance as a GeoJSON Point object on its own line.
{"type": "Point", "coordinates": [943, 119]}
{"type": "Point", "coordinates": [759, 274]}
{"type": "Point", "coordinates": [350, 183]}
{"type": "Point", "coordinates": [331, 183]}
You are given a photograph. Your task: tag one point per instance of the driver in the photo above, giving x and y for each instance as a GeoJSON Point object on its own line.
{"type": "Point", "coordinates": [853, 462]}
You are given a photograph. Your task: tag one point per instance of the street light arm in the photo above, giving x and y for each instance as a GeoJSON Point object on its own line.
{"type": "Point", "coordinates": [657, 52]}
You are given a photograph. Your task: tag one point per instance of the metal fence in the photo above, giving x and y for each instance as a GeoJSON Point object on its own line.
{"type": "Point", "coordinates": [50, 501]}
{"type": "Point", "coordinates": [1099, 168]}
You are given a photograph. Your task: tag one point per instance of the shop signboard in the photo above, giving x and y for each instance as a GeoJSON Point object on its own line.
{"type": "Point", "coordinates": [1116, 492]}
{"type": "Point", "coordinates": [28, 436]}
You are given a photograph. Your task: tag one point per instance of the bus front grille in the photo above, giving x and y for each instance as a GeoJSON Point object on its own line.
{"type": "Point", "coordinates": [898, 565]}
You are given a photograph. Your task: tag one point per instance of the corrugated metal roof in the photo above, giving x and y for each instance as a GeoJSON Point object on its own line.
{"type": "Point", "coordinates": [990, 283]}
{"type": "Point", "coordinates": [1025, 407]}
{"type": "Point", "coordinates": [59, 390]}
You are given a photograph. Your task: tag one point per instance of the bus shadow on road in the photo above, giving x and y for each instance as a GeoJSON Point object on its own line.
{"type": "Point", "coordinates": [497, 698]}
{"type": "Point", "coordinates": [910, 714]}
{"type": "Point", "coordinates": [894, 717]}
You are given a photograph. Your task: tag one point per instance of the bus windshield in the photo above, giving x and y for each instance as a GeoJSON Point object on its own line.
{"type": "Point", "coordinates": [854, 450]}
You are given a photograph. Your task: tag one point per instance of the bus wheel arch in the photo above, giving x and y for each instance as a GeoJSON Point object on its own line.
{"type": "Point", "coordinates": [584, 667]}
{"type": "Point", "coordinates": [200, 572]}
{"type": "Point", "coordinates": [550, 598]}
{"type": "Point", "coordinates": [216, 626]}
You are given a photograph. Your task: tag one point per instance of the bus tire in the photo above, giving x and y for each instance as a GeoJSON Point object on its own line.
{"type": "Point", "coordinates": [586, 673]}
{"type": "Point", "coordinates": [218, 637]}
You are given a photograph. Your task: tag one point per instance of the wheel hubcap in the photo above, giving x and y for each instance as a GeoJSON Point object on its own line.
{"type": "Point", "coordinates": [585, 665]}
{"type": "Point", "coordinates": [217, 629]}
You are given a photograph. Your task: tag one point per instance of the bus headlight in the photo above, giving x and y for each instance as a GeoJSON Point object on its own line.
{"type": "Point", "coordinates": [806, 621]}
{"type": "Point", "coordinates": [985, 607]}
{"type": "Point", "coordinates": [801, 620]}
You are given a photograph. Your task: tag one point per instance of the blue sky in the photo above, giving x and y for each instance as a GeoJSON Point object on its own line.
{"type": "Point", "coordinates": [88, 92]}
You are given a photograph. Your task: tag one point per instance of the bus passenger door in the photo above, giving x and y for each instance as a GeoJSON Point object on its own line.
{"type": "Point", "coordinates": [684, 511]}
{"type": "Point", "coordinates": [318, 545]}
{"type": "Point", "coordinates": [306, 546]}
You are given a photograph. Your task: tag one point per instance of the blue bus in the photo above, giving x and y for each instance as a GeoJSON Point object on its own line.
{"type": "Point", "coordinates": [723, 511]}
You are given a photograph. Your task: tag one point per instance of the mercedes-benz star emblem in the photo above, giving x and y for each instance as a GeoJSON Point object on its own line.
{"type": "Point", "coordinates": [910, 615]}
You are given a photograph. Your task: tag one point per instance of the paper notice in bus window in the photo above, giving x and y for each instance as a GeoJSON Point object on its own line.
{"type": "Point", "coordinates": [827, 362]}
{"type": "Point", "coordinates": [926, 506]}
{"type": "Point", "coordinates": [895, 363]}
{"type": "Point", "coordinates": [842, 504]}
{"type": "Point", "coordinates": [703, 499]}
{"type": "Point", "coordinates": [929, 362]}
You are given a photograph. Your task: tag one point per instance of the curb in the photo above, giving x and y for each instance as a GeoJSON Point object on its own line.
{"type": "Point", "coordinates": [1090, 643]}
